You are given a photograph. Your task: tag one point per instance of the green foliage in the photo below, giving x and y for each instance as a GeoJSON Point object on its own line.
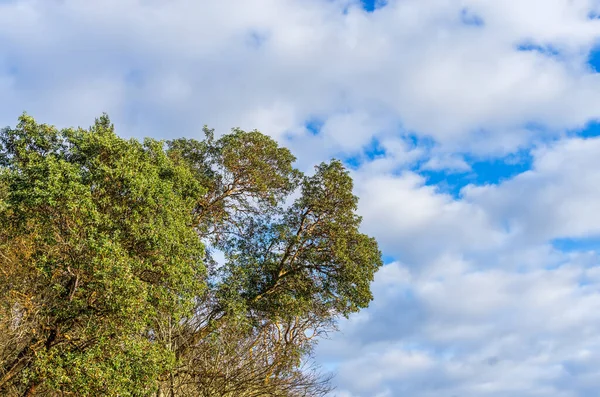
{"type": "Point", "coordinates": [107, 285]}
{"type": "Point", "coordinates": [99, 232]}
{"type": "Point", "coordinates": [307, 258]}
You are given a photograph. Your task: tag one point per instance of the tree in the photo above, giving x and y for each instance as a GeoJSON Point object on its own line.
{"type": "Point", "coordinates": [108, 286]}
{"type": "Point", "coordinates": [96, 244]}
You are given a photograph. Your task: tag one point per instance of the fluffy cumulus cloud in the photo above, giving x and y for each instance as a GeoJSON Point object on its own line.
{"type": "Point", "coordinates": [497, 293]}
{"type": "Point", "coordinates": [473, 76]}
{"type": "Point", "coordinates": [473, 332]}
{"type": "Point", "coordinates": [469, 127]}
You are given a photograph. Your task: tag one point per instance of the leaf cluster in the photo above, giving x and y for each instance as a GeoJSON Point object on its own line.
{"type": "Point", "coordinates": [108, 278]}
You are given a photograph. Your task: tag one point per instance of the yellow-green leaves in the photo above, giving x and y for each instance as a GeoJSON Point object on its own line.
{"type": "Point", "coordinates": [98, 232]}
{"type": "Point", "coordinates": [104, 288]}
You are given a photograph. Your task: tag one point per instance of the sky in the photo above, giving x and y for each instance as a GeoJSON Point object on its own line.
{"type": "Point", "coordinates": [471, 128]}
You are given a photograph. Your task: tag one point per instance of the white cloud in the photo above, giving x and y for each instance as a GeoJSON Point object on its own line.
{"type": "Point", "coordinates": [272, 64]}
{"type": "Point", "coordinates": [415, 221]}
{"type": "Point", "coordinates": [557, 198]}
{"type": "Point", "coordinates": [478, 333]}
{"type": "Point", "coordinates": [449, 163]}
{"type": "Point", "coordinates": [493, 311]}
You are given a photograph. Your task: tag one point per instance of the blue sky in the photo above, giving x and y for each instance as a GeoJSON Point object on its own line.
{"type": "Point", "coordinates": [372, 5]}
{"type": "Point", "coordinates": [472, 131]}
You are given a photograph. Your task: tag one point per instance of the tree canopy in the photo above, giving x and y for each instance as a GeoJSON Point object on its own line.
{"type": "Point", "coordinates": [108, 282]}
